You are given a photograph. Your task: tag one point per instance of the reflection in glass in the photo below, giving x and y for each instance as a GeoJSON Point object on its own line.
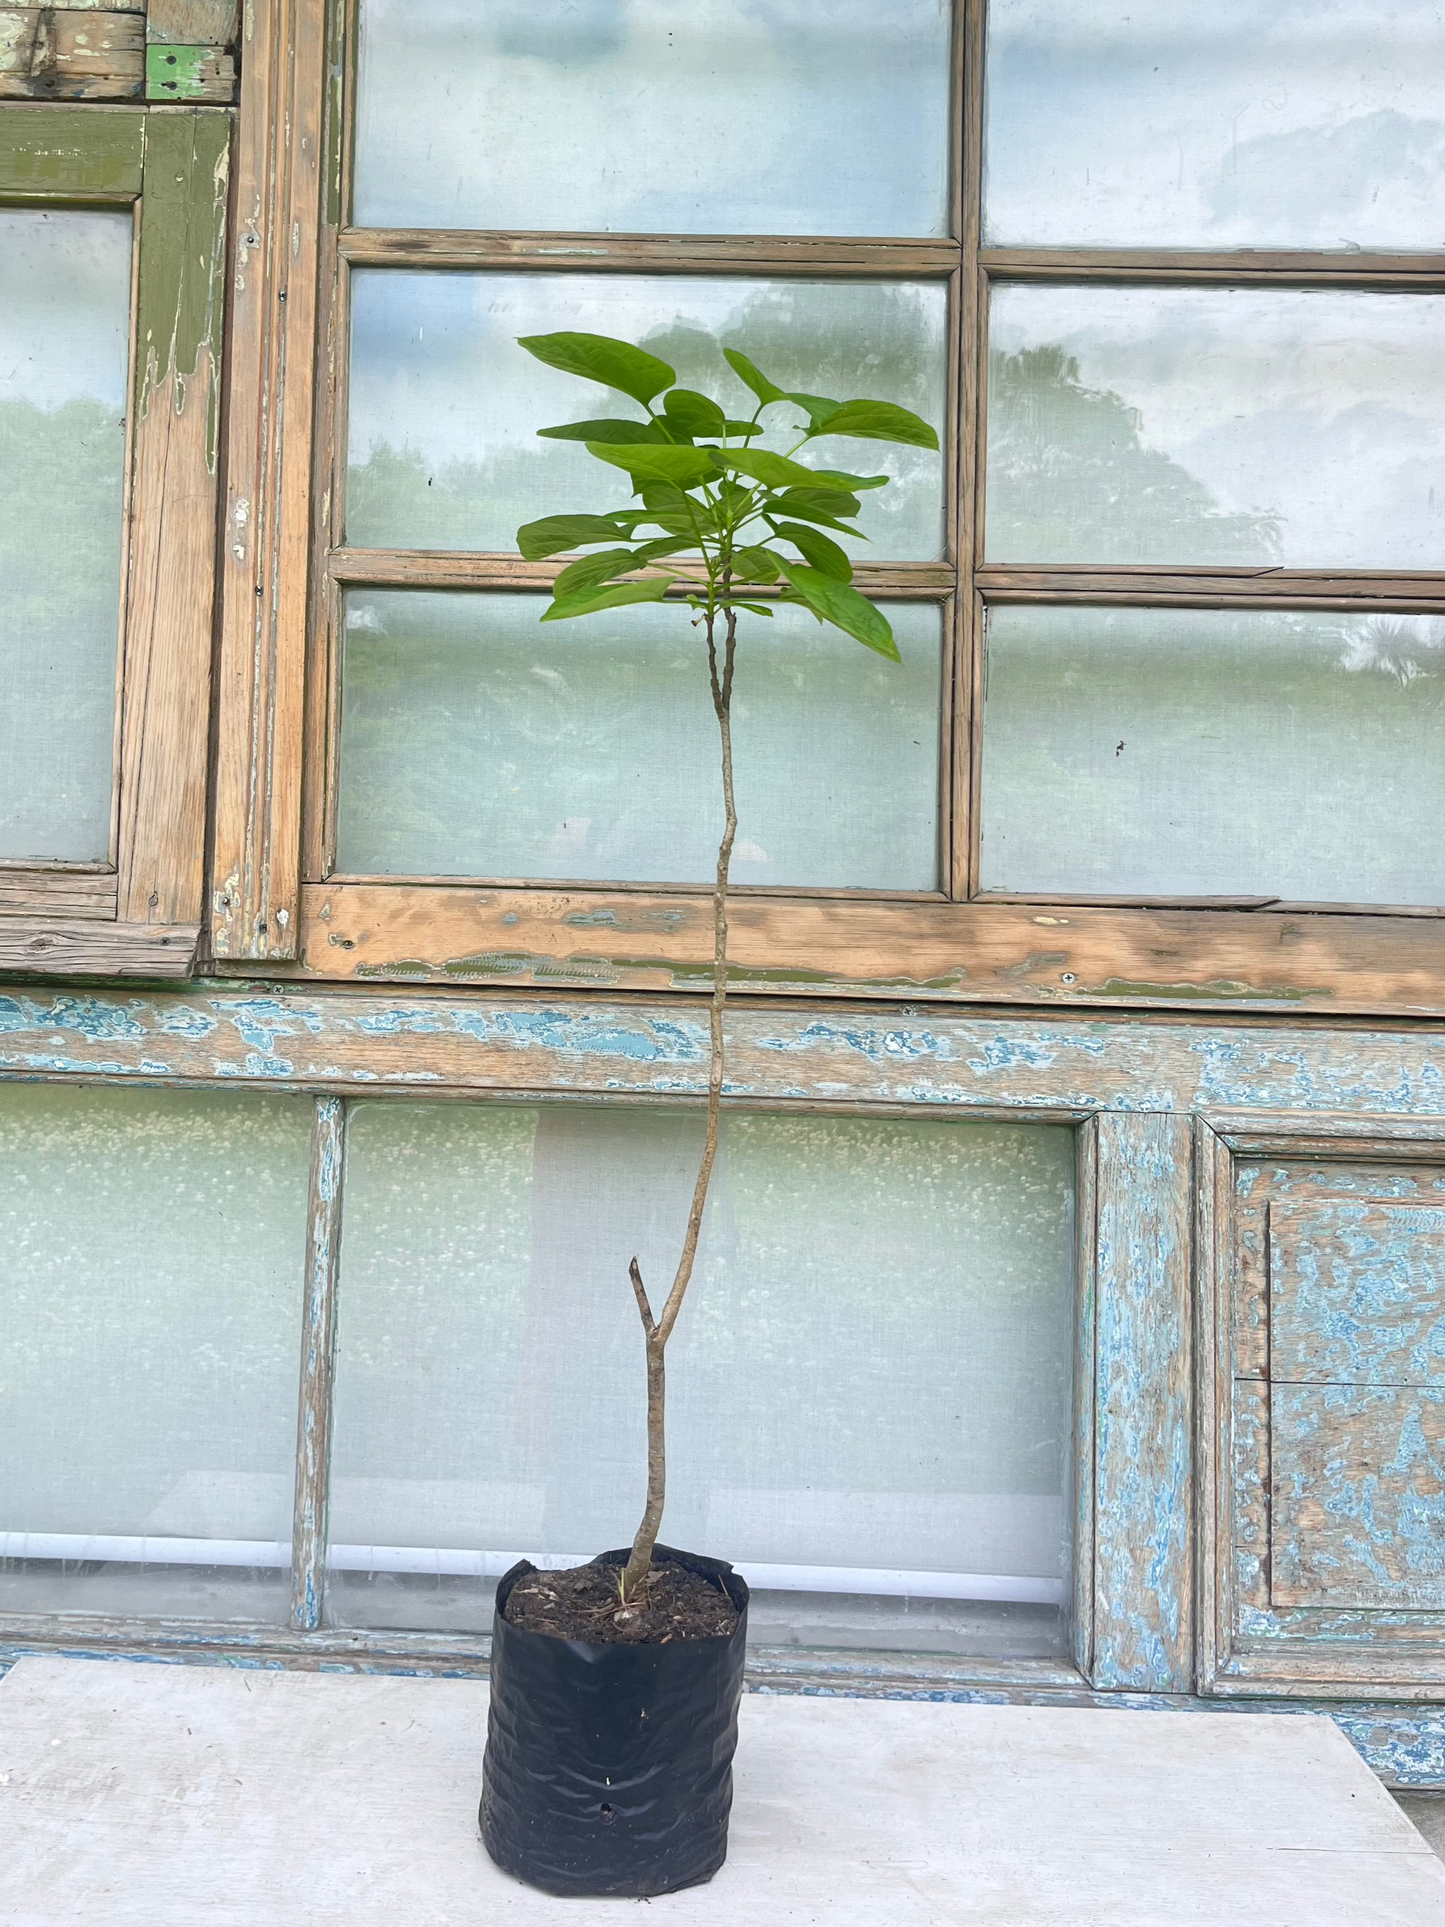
{"type": "Point", "coordinates": [475, 742]}
{"type": "Point", "coordinates": [654, 116]}
{"type": "Point", "coordinates": [1296, 125]}
{"type": "Point", "coordinates": [906, 1490]}
{"type": "Point", "coordinates": [1201, 752]}
{"type": "Point", "coordinates": [1200, 425]}
{"type": "Point", "coordinates": [152, 1252]}
{"type": "Point", "coordinates": [64, 348]}
{"type": "Point", "coordinates": [445, 406]}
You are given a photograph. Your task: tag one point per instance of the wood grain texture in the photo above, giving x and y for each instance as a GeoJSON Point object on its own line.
{"type": "Point", "coordinates": [318, 1342]}
{"type": "Point", "coordinates": [747, 254]}
{"type": "Point", "coordinates": [1204, 588]}
{"type": "Point", "coordinates": [166, 684]}
{"type": "Point", "coordinates": [1143, 1571]}
{"type": "Point", "coordinates": [979, 952]}
{"type": "Point", "coordinates": [50, 53]}
{"type": "Point", "coordinates": [48, 152]}
{"type": "Point", "coordinates": [1357, 1292]}
{"type": "Point", "coordinates": [87, 947]}
{"type": "Point", "coordinates": [1357, 1480]}
{"type": "Point", "coordinates": [57, 893]}
{"type": "Point", "coordinates": [450, 569]}
{"type": "Point", "coordinates": [935, 1062]}
{"type": "Point", "coordinates": [1241, 266]}
{"type": "Point", "coordinates": [193, 23]}
{"type": "Point", "coordinates": [267, 525]}
{"type": "Point", "coordinates": [1085, 1431]}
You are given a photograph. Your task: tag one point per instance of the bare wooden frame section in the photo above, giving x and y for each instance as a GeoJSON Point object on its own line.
{"type": "Point", "coordinates": [278, 898]}
{"type": "Point", "coordinates": [139, 914]}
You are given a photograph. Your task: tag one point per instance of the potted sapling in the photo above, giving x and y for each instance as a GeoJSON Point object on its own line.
{"type": "Point", "coordinates": [615, 1685]}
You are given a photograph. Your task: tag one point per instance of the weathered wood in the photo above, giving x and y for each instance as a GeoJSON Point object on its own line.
{"type": "Point", "coordinates": [1358, 1497]}
{"type": "Point", "coordinates": [1357, 1292]}
{"type": "Point", "coordinates": [180, 304]}
{"type": "Point", "coordinates": [46, 153]}
{"type": "Point", "coordinates": [1206, 588]}
{"type": "Point", "coordinates": [1242, 267]}
{"type": "Point", "coordinates": [267, 524]}
{"type": "Point", "coordinates": [193, 23]}
{"type": "Point", "coordinates": [1143, 1573]}
{"type": "Point", "coordinates": [1085, 1430]}
{"type": "Point", "coordinates": [50, 53]}
{"type": "Point", "coordinates": [56, 893]}
{"type": "Point", "coordinates": [814, 946]}
{"type": "Point", "coordinates": [451, 569]}
{"type": "Point", "coordinates": [189, 73]}
{"type": "Point", "coordinates": [935, 1062]}
{"type": "Point", "coordinates": [1064, 1819]}
{"type": "Point", "coordinates": [1251, 1509]}
{"type": "Point", "coordinates": [318, 1342]}
{"type": "Point", "coordinates": [647, 253]}
{"type": "Point", "coordinates": [88, 947]}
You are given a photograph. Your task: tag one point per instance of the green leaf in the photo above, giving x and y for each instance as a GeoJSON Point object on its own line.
{"type": "Point", "coordinates": [757, 564]}
{"type": "Point", "coordinates": [693, 413]}
{"type": "Point", "coordinates": [879, 421]}
{"type": "Point", "coordinates": [816, 407]}
{"type": "Point", "coordinates": [594, 569]}
{"type": "Point", "coordinates": [755, 608]}
{"type": "Point", "coordinates": [554, 533]}
{"type": "Point", "coordinates": [616, 364]}
{"type": "Point", "coordinates": [817, 550]}
{"type": "Point", "coordinates": [855, 482]}
{"type": "Point", "coordinates": [603, 431]}
{"type": "Point", "coordinates": [776, 470]}
{"type": "Point", "coordinates": [841, 605]}
{"type": "Point", "coordinates": [744, 428]}
{"type": "Point", "coordinates": [645, 462]}
{"type": "Point", "coordinates": [813, 505]}
{"type": "Point", "coordinates": [589, 603]}
{"type": "Point", "coordinates": [749, 372]}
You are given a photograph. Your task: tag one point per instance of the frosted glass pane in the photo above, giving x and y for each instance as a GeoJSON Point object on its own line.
{"type": "Point", "coordinates": [588, 115]}
{"type": "Point", "coordinates": [869, 1384]}
{"type": "Point", "coordinates": [64, 346]}
{"type": "Point", "coordinates": [1201, 752]}
{"type": "Point", "coordinates": [152, 1261]}
{"type": "Point", "coordinates": [476, 742]}
{"type": "Point", "coordinates": [1304, 427]}
{"type": "Point", "coordinates": [445, 406]}
{"type": "Point", "coordinates": [1302, 124]}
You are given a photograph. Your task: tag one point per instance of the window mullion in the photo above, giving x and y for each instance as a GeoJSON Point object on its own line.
{"type": "Point", "coordinates": [318, 1346]}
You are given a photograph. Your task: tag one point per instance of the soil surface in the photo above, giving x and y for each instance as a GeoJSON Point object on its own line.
{"type": "Point", "coordinates": [584, 1603]}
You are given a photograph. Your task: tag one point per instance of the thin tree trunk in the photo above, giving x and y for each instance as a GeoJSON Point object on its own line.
{"type": "Point", "coordinates": [659, 1330]}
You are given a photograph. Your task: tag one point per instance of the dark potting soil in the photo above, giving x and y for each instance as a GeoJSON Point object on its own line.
{"type": "Point", "coordinates": [583, 1603]}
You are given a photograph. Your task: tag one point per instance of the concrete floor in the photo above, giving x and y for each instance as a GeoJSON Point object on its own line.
{"type": "Point", "coordinates": [1427, 1810]}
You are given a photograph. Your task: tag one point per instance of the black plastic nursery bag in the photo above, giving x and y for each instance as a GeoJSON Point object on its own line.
{"type": "Point", "coordinates": [608, 1767]}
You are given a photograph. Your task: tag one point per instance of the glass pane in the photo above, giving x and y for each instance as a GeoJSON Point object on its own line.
{"type": "Point", "coordinates": [1202, 752]}
{"type": "Point", "coordinates": [1304, 427]}
{"type": "Point", "coordinates": [1296, 125]}
{"type": "Point", "coordinates": [445, 406]}
{"type": "Point", "coordinates": [152, 1257]}
{"type": "Point", "coordinates": [475, 742]}
{"type": "Point", "coordinates": [903, 1488]}
{"type": "Point", "coordinates": [587, 115]}
{"type": "Point", "coordinates": [64, 347]}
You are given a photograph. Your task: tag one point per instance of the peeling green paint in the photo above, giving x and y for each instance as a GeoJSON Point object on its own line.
{"type": "Point", "coordinates": [1214, 990]}
{"type": "Point", "coordinates": [82, 151]}
{"type": "Point", "coordinates": [180, 297]}
{"type": "Point", "coordinates": [180, 73]}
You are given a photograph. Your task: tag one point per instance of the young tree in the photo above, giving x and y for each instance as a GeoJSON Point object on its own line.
{"type": "Point", "coordinates": [727, 514]}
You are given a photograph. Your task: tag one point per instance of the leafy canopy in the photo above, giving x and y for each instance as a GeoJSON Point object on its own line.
{"type": "Point", "coordinates": [740, 517]}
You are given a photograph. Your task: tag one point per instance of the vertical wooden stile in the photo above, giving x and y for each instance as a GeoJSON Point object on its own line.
{"type": "Point", "coordinates": [318, 1340]}
{"type": "Point", "coordinates": [968, 627]}
{"type": "Point", "coordinates": [256, 881]}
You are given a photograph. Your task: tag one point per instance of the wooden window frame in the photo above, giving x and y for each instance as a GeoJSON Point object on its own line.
{"type": "Point", "coordinates": [139, 911]}
{"type": "Point", "coordinates": [277, 904]}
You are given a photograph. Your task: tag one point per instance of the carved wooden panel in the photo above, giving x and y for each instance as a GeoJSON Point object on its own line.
{"type": "Point", "coordinates": [1324, 1283]}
